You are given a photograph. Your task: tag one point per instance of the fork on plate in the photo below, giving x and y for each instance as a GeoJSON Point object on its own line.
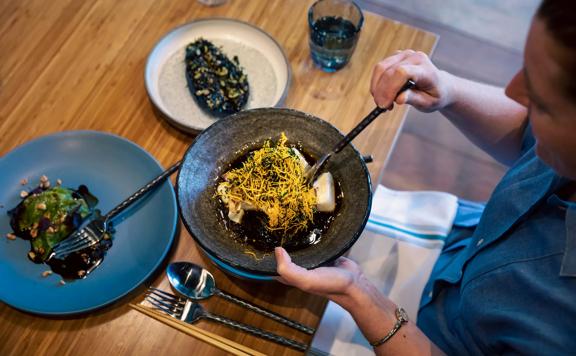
{"type": "Point", "coordinates": [189, 311]}
{"type": "Point", "coordinates": [96, 230]}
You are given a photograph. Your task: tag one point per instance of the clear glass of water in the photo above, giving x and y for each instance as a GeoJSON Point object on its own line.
{"type": "Point", "coordinates": [334, 30]}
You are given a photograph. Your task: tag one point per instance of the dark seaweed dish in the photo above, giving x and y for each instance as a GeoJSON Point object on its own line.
{"type": "Point", "coordinates": [48, 215]}
{"type": "Point", "coordinates": [217, 83]}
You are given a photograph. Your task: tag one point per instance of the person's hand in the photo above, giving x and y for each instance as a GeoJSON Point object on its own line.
{"type": "Point", "coordinates": [432, 91]}
{"type": "Point", "coordinates": [334, 282]}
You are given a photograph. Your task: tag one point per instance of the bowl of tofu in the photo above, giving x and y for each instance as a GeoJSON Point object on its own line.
{"type": "Point", "coordinates": [237, 222]}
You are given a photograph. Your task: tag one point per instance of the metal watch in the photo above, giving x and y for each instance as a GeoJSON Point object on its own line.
{"type": "Point", "coordinates": [401, 318]}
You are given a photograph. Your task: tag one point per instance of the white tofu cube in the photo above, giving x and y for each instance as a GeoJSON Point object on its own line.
{"type": "Point", "coordinates": [325, 193]}
{"type": "Point", "coordinates": [235, 211]}
{"type": "Point", "coordinates": [303, 163]}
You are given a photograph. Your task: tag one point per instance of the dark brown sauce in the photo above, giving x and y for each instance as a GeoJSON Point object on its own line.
{"type": "Point", "coordinates": [79, 264]}
{"type": "Point", "coordinates": [253, 232]}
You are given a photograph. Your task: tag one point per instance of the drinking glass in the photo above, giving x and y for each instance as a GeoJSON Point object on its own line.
{"type": "Point", "coordinates": [334, 30]}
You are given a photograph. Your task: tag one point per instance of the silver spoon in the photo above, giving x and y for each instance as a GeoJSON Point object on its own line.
{"type": "Point", "coordinates": [311, 172]}
{"type": "Point", "coordinates": [197, 283]}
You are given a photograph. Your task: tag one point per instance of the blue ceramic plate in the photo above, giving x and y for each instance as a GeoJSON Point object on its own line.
{"type": "Point", "coordinates": [112, 168]}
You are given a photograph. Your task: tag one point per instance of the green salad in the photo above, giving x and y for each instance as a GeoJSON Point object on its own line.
{"type": "Point", "coordinates": [47, 216]}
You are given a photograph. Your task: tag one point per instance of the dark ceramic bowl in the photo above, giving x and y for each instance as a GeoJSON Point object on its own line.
{"type": "Point", "coordinates": [230, 138]}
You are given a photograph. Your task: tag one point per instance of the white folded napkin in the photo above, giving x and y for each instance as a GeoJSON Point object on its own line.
{"type": "Point", "coordinates": [396, 251]}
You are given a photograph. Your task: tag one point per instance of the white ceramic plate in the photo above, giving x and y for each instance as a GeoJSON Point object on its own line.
{"type": "Point", "coordinates": [258, 53]}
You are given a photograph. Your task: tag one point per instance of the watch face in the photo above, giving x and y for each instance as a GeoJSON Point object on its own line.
{"type": "Point", "coordinates": [401, 315]}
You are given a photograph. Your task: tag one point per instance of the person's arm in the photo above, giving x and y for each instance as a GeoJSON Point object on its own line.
{"type": "Point", "coordinates": [482, 112]}
{"type": "Point", "coordinates": [345, 284]}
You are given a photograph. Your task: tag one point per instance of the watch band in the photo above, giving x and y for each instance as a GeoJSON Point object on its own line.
{"type": "Point", "coordinates": [401, 318]}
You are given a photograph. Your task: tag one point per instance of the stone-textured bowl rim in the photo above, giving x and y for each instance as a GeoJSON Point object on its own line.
{"type": "Point", "coordinates": [227, 121]}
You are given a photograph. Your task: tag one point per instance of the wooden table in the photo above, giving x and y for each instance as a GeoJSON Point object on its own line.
{"type": "Point", "coordinates": [72, 64]}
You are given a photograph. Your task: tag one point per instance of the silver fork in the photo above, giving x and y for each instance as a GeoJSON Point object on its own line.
{"type": "Point", "coordinates": [189, 311]}
{"type": "Point", "coordinates": [95, 231]}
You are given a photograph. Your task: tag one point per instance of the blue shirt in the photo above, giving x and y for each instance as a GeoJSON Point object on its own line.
{"type": "Point", "coordinates": [508, 285]}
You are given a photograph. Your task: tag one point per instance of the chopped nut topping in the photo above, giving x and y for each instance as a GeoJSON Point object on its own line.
{"type": "Point", "coordinates": [50, 230]}
{"type": "Point", "coordinates": [45, 184]}
{"type": "Point", "coordinates": [31, 255]}
{"type": "Point", "coordinates": [41, 206]}
{"type": "Point", "coordinates": [46, 273]}
{"type": "Point", "coordinates": [23, 194]}
{"type": "Point", "coordinates": [23, 181]}
{"type": "Point", "coordinates": [59, 181]}
{"type": "Point", "coordinates": [106, 236]}
{"type": "Point", "coordinates": [43, 179]}
{"type": "Point", "coordinates": [11, 236]}
{"type": "Point", "coordinates": [81, 273]}
{"type": "Point", "coordinates": [41, 250]}
{"type": "Point", "coordinates": [33, 233]}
